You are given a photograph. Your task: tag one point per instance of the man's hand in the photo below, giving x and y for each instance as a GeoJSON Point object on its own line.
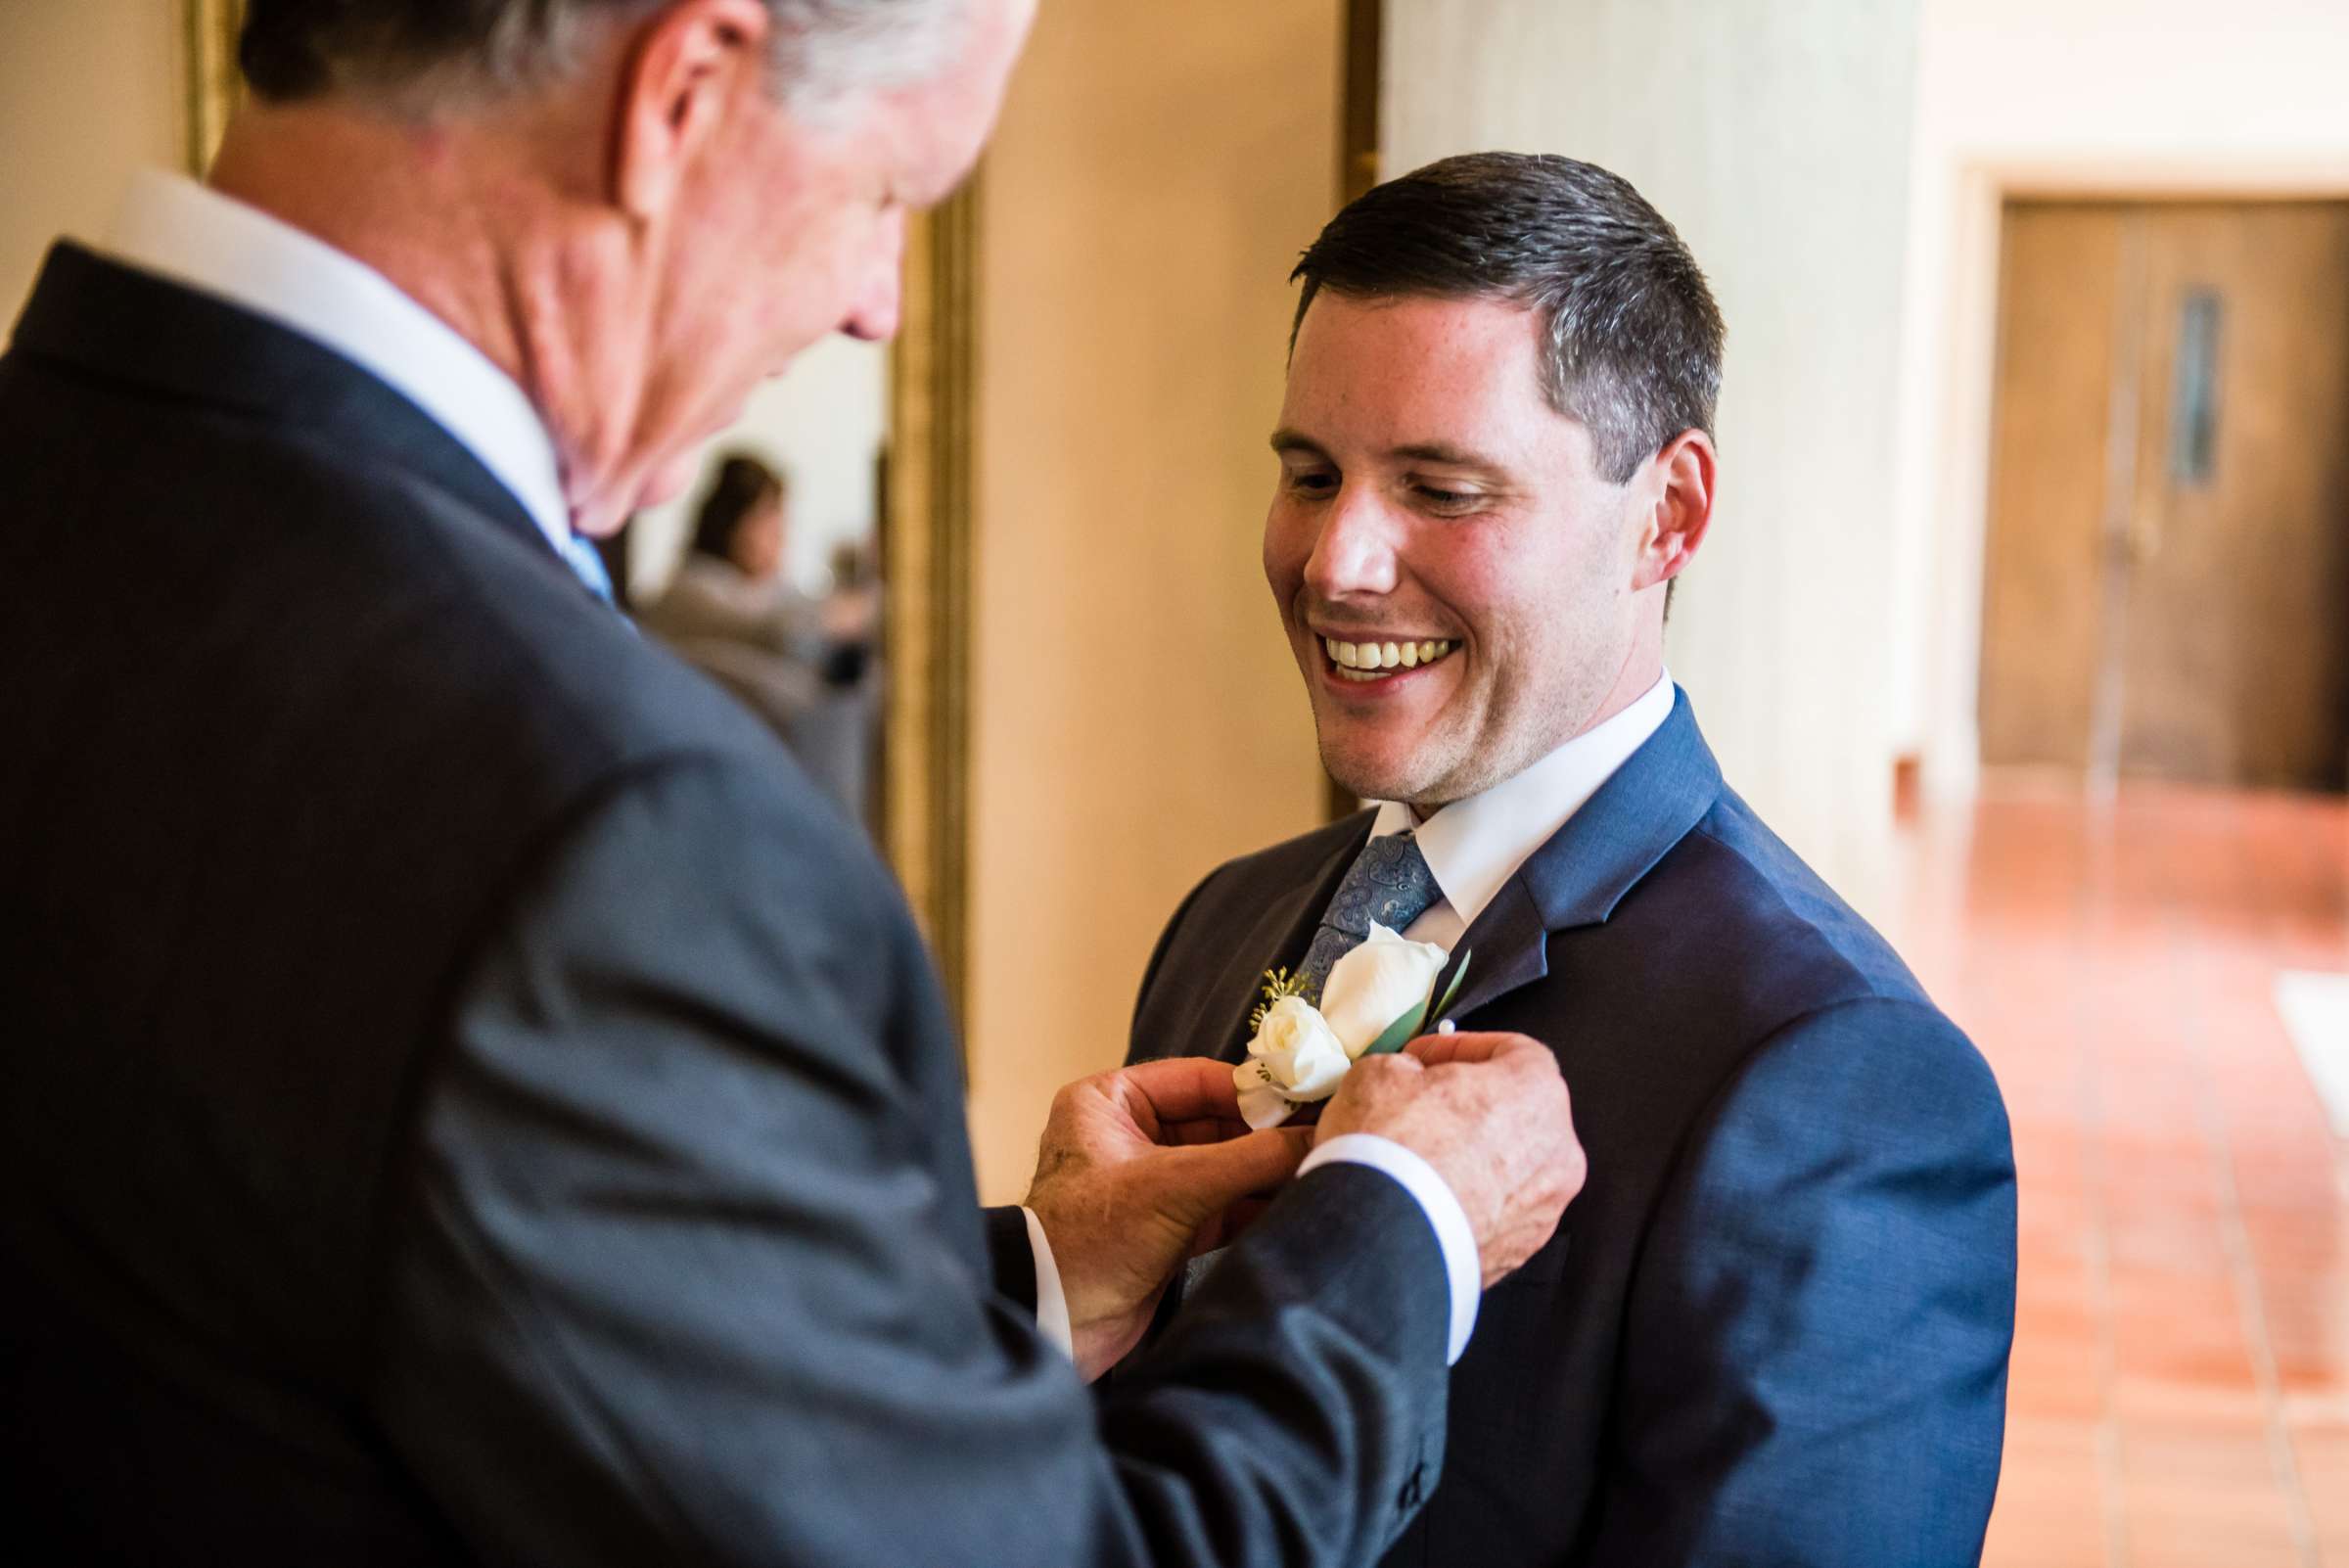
{"type": "Point", "coordinates": [1490, 1112]}
{"type": "Point", "coordinates": [1136, 1171]}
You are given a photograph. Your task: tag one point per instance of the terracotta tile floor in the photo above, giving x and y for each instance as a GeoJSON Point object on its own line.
{"type": "Point", "coordinates": [2181, 1383]}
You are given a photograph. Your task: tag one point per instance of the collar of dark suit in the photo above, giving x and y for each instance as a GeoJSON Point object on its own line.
{"type": "Point", "coordinates": [1586, 868]}
{"type": "Point", "coordinates": [120, 324]}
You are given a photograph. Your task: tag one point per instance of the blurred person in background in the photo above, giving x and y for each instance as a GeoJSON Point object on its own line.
{"type": "Point", "coordinates": [804, 665]}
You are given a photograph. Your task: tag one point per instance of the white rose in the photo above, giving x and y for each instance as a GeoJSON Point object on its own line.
{"type": "Point", "coordinates": [1294, 1058]}
{"type": "Point", "coordinates": [1261, 1104]}
{"type": "Point", "coordinates": [1300, 1053]}
{"type": "Point", "coordinates": [1376, 984]}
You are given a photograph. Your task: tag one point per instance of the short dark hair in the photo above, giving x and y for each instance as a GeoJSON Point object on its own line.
{"type": "Point", "coordinates": [1631, 338]}
{"type": "Point", "coordinates": [742, 486]}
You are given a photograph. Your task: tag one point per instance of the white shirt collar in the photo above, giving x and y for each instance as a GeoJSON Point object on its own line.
{"type": "Point", "coordinates": [1476, 844]}
{"type": "Point", "coordinates": [172, 226]}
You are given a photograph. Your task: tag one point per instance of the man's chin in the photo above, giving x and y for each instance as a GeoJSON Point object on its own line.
{"type": "Point", "coordinates": [670, 479]}
{"type": "Point", "coordinates": [1373, 774]}
{"type": "Point", "coordinates": [598, 520]}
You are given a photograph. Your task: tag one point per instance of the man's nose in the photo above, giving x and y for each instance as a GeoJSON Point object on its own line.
{"type": "Point", "coordinates": [873, 309]}
{"type": "Point", "coordinates": [1355, 552]}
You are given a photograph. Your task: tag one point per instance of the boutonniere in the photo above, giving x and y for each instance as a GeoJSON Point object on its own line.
{"type": "Point", "coordinates": [1378, 999]}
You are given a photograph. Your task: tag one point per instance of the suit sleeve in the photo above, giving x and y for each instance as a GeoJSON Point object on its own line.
{"type": "Point", "coordinates": [1816, 1345]}
{"type": "Point", "coordinates": [687, 1270]}
{"type": "Point", "coordinates": [1010, 1259]}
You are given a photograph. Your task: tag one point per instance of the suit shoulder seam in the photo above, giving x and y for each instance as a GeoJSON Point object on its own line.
{"type": "Point", "coordinates": [1869, 990]}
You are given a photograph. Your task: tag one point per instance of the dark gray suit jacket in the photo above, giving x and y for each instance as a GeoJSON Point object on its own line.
{"type": "Point", "coordinates": [1774, 1328]}
{"type": "Point", "coordinates": [470, 1099]}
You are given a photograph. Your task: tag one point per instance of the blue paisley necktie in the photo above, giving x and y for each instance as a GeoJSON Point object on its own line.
{"type": "Point", "coordinates": [1389, 883]}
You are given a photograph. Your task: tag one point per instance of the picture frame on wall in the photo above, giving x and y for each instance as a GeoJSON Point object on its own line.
{"type": "Point", "coordinates": [210, 28]}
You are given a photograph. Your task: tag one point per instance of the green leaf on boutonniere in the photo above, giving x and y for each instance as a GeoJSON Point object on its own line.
{"type": "Point", "coordinates": [1411, 1025]}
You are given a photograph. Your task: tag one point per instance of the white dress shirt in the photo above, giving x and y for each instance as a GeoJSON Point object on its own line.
{"type": "Point", "coordinates": [1476, 844]}
{"type": "Point", "coordinates": [176, 228]}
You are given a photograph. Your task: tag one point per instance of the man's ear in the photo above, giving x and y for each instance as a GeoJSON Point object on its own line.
{"type": "Point", "coordinates": [1681, 511]}
{"type": "Point", "coordinates": [685, 73]}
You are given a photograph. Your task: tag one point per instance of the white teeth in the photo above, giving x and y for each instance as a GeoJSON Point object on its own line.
{"type": "Point", "coordinates": [1366, 661]}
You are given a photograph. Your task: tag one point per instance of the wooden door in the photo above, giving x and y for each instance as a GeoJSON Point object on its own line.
{"type": "Point", "coordinates": [2167, 579]}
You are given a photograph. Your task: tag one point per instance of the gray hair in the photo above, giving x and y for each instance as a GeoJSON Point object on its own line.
{"type": "Point", "coordinates": [1631, 338]}
{"type": "Point", "coordinates": [425, 56]}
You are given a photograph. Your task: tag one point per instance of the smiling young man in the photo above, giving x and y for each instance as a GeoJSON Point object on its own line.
{"type": "Point", "coordinates": [1775, 1328]}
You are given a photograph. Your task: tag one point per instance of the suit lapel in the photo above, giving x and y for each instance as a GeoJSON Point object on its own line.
{"type": "Point", "coordinates": [1506, 949]}
{"type": "Point", "coordinates": [1279, 936]}
{"type": "Point", "coordinates": [1588, 867]}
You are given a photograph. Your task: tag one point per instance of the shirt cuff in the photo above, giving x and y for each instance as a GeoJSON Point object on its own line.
{"type": "Point", "coordinates": [1436, 1200]}
{"type": "Point", "coordinates": [1052, 1303]}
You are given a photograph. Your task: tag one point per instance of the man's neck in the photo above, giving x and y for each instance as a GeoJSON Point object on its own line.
{"type": "Point", "coordinates": [1643, 667]}
{"type": "Point", "coordinates": [472, 234]}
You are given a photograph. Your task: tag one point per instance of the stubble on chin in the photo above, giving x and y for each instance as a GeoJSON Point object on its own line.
{"type": "Point", "coordinates": [1370, 769]}
{"type": "Point", "coordinates": [1367, 764]}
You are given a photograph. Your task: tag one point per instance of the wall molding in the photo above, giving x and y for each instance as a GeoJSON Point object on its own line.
{"type": "Point", "coordinates": [926, 535]}
{"type": "Point", "coordinates": [208, 30]}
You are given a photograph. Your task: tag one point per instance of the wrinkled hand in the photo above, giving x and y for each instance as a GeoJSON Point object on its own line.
{"type": "Point", "coordinates": [1134, 1173]}
{"type": "Point", "coordinates": [1490, 1112]}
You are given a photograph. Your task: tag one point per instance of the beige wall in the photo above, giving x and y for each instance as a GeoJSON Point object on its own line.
{"type": "Point", "coordinates": [1774, 136]}
{"type": "Point", "coordinates": [89, 92]}
{"type": "Point", "coordinates": [1139, 717]}
{"type": "Point", "coordinates": [2097, 96]}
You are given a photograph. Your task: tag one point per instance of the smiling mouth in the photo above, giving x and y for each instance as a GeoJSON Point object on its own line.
{"type": "Point", "coordinates": [1375, 660]}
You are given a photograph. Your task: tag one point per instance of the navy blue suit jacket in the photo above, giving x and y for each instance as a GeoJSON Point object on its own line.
{"type": "Point", "coordinates": [1773, 1329]}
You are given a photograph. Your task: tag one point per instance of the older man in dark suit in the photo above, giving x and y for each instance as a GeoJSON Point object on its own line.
{"type": "Point", "coordinates": [1775, 1328]}
{"type": "Point", "coordinates": [469, 1099]}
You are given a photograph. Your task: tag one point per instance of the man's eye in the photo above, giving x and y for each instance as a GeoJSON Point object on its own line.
{"type": "Point", "coordinates": [1312, 481]}
{"type": "Point", "coordinates": [1456, 500]}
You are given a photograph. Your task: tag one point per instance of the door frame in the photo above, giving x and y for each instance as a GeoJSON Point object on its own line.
{"type": "Point", "coordinates": [1963, 433]}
